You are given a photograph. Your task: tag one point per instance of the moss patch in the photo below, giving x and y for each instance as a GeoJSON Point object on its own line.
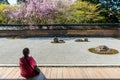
{"type": "Point", "coordinates": [111, 51]}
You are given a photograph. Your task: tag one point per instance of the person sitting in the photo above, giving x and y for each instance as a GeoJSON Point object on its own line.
{"type": "Point", "coordinates": [27, 65]}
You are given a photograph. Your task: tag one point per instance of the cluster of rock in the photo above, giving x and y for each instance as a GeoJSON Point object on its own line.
{"type": "Point", "coordinates": [56, 40]}
{"type": "Point", "coordinates": [82, 40]}
{"type": "Point", "coordinates": [102, 48]}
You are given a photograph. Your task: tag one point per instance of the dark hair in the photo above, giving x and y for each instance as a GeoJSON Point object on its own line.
{"type": "Point", "coordinates": [25, 52]}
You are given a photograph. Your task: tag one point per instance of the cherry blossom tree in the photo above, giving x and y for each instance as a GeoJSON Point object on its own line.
{"type": "Point", "coordinates": [32, 12]}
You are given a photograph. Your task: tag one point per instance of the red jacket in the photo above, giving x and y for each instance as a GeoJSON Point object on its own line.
{"type": "Point", "coordinates": [25, 70]}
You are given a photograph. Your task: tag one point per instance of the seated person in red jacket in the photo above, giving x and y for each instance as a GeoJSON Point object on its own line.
{"type": "Point", "coordinates": [27, 64]}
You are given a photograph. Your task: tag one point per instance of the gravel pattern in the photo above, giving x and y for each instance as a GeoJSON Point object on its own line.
{"type": "Point", "coordinates": [70, 52]}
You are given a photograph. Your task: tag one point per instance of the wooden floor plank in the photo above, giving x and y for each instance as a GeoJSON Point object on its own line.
{"type": "Point", "coordinates": [82, 73]}
{"type": "Point", "coordinates": [54, 73]}
{"type": "Point", "coordinates": [101, 73]}
{"type": "Point", "coordinates": [17, 74]}
{"type": "Point", "coordinates": [43, 70]}
{"type": "Point", "coordinates": [7, 72]}
{"type": "Point", "coordinates": [12, 73]}
{"type": "Point", "coordinates": [91, 73]}
{"type": "Point", "coordinates": [72, 74]}
{"type": "Point", "coordinates": [59, 73]}
{"type": "Point", "coordinates": [48, 73]}
{"type": "Point", "coordinates": [65, 73]}
{"type": "Point", "coordinates": [3, 69]}
{"type": "Point", "coordinates": [77, 73]}
{"type": "Point", "coordinates": [112, 73]}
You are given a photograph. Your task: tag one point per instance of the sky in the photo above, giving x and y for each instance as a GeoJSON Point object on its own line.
{"type": "Point", "coordinates": [12, 2]}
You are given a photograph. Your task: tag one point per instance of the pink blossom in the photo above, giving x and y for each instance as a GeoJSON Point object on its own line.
{"type": "Point", "coordinates": [33, 11]}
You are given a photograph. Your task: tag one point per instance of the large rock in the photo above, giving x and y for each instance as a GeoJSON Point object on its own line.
{"type": "Point", "coordinates": [102, 48]}
{"type": "Point", "coordinates": [56, 40]}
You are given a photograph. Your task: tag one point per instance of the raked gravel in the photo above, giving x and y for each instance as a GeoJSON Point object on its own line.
{"type": "Point", "coordinates": [70, 52]}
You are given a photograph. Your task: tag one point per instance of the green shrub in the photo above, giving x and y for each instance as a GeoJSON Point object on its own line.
{"type": "Point", "coordinates": [84, 12]}
{"type": "Point", "coordinates": [3, 18]}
